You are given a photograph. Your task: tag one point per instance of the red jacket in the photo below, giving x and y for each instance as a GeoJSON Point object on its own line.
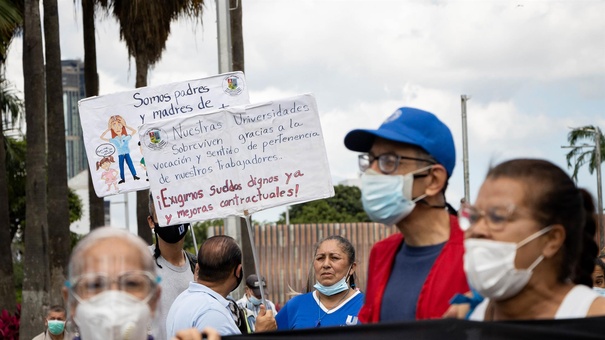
{"type": "Point", "coordinates": [444, 280]}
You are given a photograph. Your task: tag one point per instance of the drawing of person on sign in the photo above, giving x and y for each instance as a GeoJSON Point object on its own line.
{"type": "Point", "coordinates": [109, 175]}
{"type": "Point", "coordinates": [120, 139]}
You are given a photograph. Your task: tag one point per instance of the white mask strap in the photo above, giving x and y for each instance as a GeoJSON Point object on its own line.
{"type": "Point", "coordinates": [421, 170]}
{"type": "Point", "coordinates": [419, 198]}
{"type": "Point", "coordinates": [533, 237]}
{"type": "Point", "coordinates": [536, 263]}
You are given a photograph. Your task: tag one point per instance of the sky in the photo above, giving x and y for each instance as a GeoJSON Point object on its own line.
{"type": "Point", "coordinates": [532, 69]}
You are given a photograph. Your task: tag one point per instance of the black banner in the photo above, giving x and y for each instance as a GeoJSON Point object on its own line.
{"type": "Point", "coordinates": [586, 328]}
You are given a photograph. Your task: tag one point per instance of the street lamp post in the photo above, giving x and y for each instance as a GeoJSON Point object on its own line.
{"type": "Point", "coordinates": [464, 98]}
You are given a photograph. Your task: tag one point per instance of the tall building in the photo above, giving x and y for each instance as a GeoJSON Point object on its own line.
{"type": "Point", "coordinates": [73, 91]}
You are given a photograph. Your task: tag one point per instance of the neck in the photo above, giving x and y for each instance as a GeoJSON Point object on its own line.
{"type": "Point", "coordinates": [333, 301]}
{"type": "Point", "coordinates": [172, 252]}
{"type": "Point", "coordinates": [425, 226]}
{"type": "Point", "coordinates": [538, 300]}
{"type": "Point", "coordinates": [222, 288]}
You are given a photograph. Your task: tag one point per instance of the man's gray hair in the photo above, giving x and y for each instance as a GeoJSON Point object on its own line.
{"type": "Point", "coordinates": [76, 259]}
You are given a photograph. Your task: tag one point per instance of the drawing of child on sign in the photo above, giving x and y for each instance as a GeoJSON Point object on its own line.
{"type": "Point", "coordinates": [109, 174]}
{"type": "Point", "coordinates": [120, 139]}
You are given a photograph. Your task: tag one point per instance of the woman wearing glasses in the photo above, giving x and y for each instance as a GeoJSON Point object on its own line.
{"type": "Point", "coordinates": [335, 301]}
{"type": "Point", "coordinates": [112, 289]}
{"type": "Point", "coordinates": [530, 248]}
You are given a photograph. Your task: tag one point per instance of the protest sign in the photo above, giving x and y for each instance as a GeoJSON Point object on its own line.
{"type": "Point", "coordinates": [110, 124]}
{"type": "Point", "coordinates": [236, 161]}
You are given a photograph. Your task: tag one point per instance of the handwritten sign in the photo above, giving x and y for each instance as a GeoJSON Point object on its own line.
{"type": "Point", "coordinates": [237, 160]}
{"type": "Point", "coordinates": [110, 124]}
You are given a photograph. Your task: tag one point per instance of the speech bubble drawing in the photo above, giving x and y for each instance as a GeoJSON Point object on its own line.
{"type": "Point", "coordinates": [105, 149]}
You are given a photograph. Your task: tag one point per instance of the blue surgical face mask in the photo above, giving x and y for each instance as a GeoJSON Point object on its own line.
{"type": "Point", "coordinates": [387, 199]}
{"type": "Point", "coordinates": [336, 288]}
{"type": "Point", "coordinates": [56, 327]}
{"type": "Point", "coordinates": [599, 290]}
{"type": "Point", "coordinates": [254, 300]}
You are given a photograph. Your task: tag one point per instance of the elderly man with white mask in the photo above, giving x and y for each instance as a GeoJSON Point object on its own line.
{"type": "Point", "coordinates": [112, 290]}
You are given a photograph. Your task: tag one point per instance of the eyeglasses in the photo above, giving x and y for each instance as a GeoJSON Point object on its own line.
{"type": "Point", "coordinates": [495, 217]}
{"type": "Point", "coordinates": [139, 283]}
{"type": "Point", "coordinates": [387, 162]}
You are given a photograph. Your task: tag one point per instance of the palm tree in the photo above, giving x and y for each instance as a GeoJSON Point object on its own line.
{"type": "Point", "coordinates": [35, 273]}
{"type": "Point", "coordinates": [96, 205]}
{"type": "Point", "coordinates": [57, 203]}
{"type": "Point", "coordinates": [145, 27]}
{"type": "Point", "coordinates": [581, 152]}
{"type": "Point", "coordinates": [11, 108]}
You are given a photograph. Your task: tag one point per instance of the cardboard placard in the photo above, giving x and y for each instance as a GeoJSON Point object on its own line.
{"type": "Point", "coordinates": [110, 124]}
{"type": "Point", "coordinates": [236, 161]}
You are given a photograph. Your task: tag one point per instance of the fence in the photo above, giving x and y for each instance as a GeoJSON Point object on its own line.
{"type": "Point", "coordinates": [285, 252]}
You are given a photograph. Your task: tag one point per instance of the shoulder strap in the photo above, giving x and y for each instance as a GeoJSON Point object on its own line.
{"type": "Point", "coordinates": [192, 260]}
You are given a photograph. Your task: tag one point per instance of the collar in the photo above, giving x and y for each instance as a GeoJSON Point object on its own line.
{"type": "Point", "coordinates": [198, 287]}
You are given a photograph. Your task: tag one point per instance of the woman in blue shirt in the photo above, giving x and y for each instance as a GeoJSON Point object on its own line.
{"type": "Point", "coordinates": [335, 301]}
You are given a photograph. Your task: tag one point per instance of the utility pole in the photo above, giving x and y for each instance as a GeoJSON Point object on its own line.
{"type": "Point", "coordinates": [464, 98]}
{"type": "Point", "coordinates": [231, 58]}
{"type": "Point", "coordinates": [223, 25]}
{"type": "Point", "coordinates": [223, 28]}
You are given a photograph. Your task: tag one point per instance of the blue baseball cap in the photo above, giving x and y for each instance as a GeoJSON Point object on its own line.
{"type": "Point", "coordinates": [410, 126]}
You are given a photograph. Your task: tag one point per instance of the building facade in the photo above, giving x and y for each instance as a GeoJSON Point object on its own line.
{"type": "Point", "coordinates": [73, 91]}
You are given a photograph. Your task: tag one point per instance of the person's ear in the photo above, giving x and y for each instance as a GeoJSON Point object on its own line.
{"type": "Point", "coordinates": [70, 307]}
{"type": "Point", "coordinates": [436, 180]}
{"type": "Point", "coordinates": [554, 241]}
{"type": "Point", "coordinates": [150, 222]}
{"type": "Point", "coordinates": [196, 272]}
{"type": "Point", "coordinates": [353, 266]}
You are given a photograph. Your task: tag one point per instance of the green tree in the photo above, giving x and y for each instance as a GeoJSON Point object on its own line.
{"type": "Point", "coordinates": [344, 207]}
{"type": "Point", "coordinates": [201, 234]}
{"type": "Point", "coordinates": [11, 21]}
{"type": "Point", "coordinates": [12, 106]}
{"type": "Point", "coordinates": [35, 266]}
{"type": "Point", "coordinates": [15, 169]}
{"type": "Point", "coordinates": [145, 27]}
{"type": "Point", "coordinates": [582, 152]}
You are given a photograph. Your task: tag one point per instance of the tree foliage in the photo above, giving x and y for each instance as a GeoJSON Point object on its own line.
{"type": "Point", "coordinates": [15, 168]}
{"type": "Point", "coordinates": [344, 207]}
{"type": "Point", "coordinates": [583, 140]}
{"type": "Point", "coordinates": [201, 234]}
{"type": "Point", "coordinates": [145, 27]}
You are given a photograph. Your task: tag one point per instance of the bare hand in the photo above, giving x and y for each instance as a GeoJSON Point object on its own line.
{"type": "Point", "coordinates": [265, 321]}
{"type": "Point", "coordinates": [457, 311]}
{"type": "Point", "coordinates": [194, 334]}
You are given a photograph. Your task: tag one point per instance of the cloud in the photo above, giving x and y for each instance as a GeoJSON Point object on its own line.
{"type": "Point", "coordinates": [532, 71]}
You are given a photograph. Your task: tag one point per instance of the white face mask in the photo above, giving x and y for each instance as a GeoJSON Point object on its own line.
{"type": "Point", "coordinates": [113, 315]}
{"type": "Point", "coordinates": [336, 288]}
{"type": "Point", "coordinates": [387, 199]}
{"type": "Point", "coordinates": [490, 266]}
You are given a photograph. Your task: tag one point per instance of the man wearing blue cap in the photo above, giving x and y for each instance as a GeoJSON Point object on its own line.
{"type": "Point", "coordinates": [406, 164]}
